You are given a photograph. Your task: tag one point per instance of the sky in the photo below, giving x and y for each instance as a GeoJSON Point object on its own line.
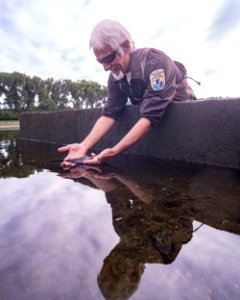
{"type": "Point", "coordinates": [50, 38]}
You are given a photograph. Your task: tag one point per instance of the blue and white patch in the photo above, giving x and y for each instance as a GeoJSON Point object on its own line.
{"type": "Point", "coordinates": [157, 79]}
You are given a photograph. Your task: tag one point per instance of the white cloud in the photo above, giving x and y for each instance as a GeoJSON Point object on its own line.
{"type": "Point", "coordinates": [50, 38]}
{"type": "Point", "coordinates": [48, 225]}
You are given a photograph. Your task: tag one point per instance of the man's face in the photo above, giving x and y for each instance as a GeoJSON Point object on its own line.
{"type": "Point", "coordinates": [112, 60]}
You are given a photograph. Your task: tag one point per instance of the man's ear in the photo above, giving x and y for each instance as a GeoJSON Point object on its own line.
{"type": "Point", "coordinates": [126, 46]}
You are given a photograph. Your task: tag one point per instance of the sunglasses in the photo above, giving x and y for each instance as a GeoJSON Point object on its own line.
{"type": "Point", "coordinates": [108, 59]}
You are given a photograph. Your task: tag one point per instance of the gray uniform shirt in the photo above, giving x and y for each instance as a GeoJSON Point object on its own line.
{"type": "Point", "coordinates": [155, 81]}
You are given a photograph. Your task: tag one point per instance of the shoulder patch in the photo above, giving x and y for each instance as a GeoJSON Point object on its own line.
{"type": "Point", "coordinates": [157, 79]}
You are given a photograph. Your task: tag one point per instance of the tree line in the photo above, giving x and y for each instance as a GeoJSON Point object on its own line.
{"type": "Point", "coordinates": [19, 93]}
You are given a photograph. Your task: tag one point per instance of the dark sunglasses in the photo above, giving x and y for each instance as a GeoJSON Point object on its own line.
{"type": "Point", "coordinates": [108, 59]}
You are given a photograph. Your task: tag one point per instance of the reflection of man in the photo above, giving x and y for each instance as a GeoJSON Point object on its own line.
{"type": "Point", "coordinates": [151, 228]}
{"type": "Point", "coordinates": [121, 273]}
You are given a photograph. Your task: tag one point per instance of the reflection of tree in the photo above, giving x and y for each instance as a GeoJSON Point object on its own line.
{"type": "Point", "coordinates": [11, 164]}
{"type": "Point", "coordinates": [216, 198]}
{"type": "Point", "coordinates": [8, 134]}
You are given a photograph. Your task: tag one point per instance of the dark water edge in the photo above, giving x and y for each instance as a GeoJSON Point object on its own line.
{"type": "Point", "coordinates": [135, 229]}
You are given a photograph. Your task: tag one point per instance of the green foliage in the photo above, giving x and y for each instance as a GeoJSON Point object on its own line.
{"type": "Point", "coordinates": [6, 114]}
{"type": "Point", "coordinates": [11, 164]}
{"type": "Point", "coordinates": [19, 93]}
{"type": "Point", "coordinates": [92, 94]}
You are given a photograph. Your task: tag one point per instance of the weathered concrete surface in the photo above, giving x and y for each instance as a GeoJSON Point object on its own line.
{"type": "Point", "coordinates": [205, 132]}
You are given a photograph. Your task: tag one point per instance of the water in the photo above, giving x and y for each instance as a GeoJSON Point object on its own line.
{"type": "Point", "coordinates": [133, 230]}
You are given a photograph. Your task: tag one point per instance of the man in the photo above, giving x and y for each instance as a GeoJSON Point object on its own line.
{"type": "Point", "coordinates": [147, 77]}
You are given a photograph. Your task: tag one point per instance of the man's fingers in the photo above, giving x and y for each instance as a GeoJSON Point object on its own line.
{"type": "Point", "coordinates": [64, 148]}
{"type": "Point", "coordinates": [65, 164]}
{"type": "Point", "coordinates": [93, 161]}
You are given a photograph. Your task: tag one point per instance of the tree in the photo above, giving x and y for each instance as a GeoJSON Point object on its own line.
{"type": "Point", "coordinates": [60, 93]}
{"type": "Point", "coordinates": [76, 94]}
{"type": "Point", "coordinates": [93, 94]}
{"type": "Point", "coordinates": [44, 96]}
{"type": "Point", "coordinates": [24, 93]}
{"type": "Point", "coordinates": [31, 90]}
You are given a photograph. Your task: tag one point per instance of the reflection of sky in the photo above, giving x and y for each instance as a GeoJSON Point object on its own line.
{"type": "Point", "coordinates": [48, 236]}
{"type": "Point", "coordinates": [55, 234]}
{"type": "Point", "coordinates": [206, 268]}
{"type": "Point", "coordinates": [4, 152]}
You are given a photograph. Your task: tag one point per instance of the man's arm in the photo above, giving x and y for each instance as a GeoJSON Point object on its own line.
{"type": "Point", "coordinates": [135, 134]}
{"type": "Point", "coordinates": [101, 127]}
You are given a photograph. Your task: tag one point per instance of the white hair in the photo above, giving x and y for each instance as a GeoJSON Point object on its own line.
{"type": "Point", "coordinates": [109, 33]}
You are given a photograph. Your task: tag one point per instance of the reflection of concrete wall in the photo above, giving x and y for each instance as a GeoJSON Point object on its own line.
{"type": "Point", "coordinates": [206, 132]}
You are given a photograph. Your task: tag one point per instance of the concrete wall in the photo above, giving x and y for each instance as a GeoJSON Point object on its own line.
{"type": "Point", "coordinates": [205, 132]}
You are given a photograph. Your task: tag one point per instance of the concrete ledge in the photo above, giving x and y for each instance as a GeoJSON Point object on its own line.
{"type": "Point", "coordinates": [204, 132]}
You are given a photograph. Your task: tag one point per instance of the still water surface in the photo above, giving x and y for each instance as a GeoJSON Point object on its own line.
{"type": "Point", "coordinates": [133, 230]}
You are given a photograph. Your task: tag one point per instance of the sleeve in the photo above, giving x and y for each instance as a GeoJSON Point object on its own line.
{"type": "Point", "coordinates": [160, 78]}
{"type": "Point", "coordinates": [116, 101]}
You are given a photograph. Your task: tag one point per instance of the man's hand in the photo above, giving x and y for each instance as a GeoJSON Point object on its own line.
{"type": "Point", "coordinates": [101, 127]}
{"type": "Point", "coordinates": [75, 151]}
{"type": "Point", "coordinates": [101, 157]}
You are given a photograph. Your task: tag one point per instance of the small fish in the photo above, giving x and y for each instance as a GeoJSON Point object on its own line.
{"type": "Point", "coordinates": [78, 160]}
{"type": "Point", "coordinates": [78, 163]}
